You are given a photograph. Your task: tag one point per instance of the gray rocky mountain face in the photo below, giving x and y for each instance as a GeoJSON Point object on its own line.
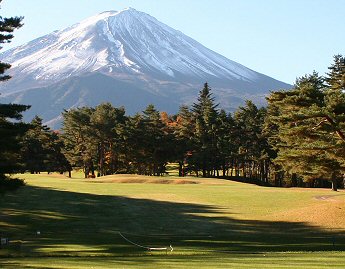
{"type": "Point", "coordinates": [127, 58]}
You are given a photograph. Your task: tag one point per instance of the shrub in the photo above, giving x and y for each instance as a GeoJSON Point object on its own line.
{"type": "Point", "coordinates": [10, 184]}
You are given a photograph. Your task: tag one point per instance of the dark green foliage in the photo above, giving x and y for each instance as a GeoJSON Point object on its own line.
{"type": "Point", "coordinates": [335, 79]}
{"type": "Point", "coordinates": [183, 131]}
{"type": "Point", "coordinates": [10, 184]}
{"type": "Point", "coordinates": [309, 123]}
{"type": "Point", "coordinates": [200, 139]}
{"type": "Point", "coordinates": [254, 154]}
{"type": "Point", "coordinates": [10, 135]}
{"type": "Point", "coordinates": [107, 126]}
{"type": "Point", "coordinates": [42, 149]}
{"type": "Point", "coordinates": [153, 141]}
{"type": "Point", "coordinates": [153, 144]}
{"type": "Point", "coordinates": [205, 115]}
{"type": "Point", "coordinates": [78, 135]}
{"type": "Point", "coordinates": [34, 146]}
{"type": "Point", "coordinates": [7, 26]}
{"type": "Point", "coordinates": [105, 139]}
{"type": "Point", "coordinates": [11, 130]}
{"type": "Point", "coordinates": [227, 142]}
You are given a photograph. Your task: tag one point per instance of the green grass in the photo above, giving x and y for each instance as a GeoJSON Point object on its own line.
{"type": "Point", "coordinates": [314, 260]}
{"type": "Point", "coordinates": [210, 223]}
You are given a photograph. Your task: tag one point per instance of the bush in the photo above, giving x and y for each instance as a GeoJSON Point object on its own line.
{"type": "Point", "coordinates": [10, 184]}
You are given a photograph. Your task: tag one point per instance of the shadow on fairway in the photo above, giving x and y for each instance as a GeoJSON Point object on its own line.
{"type": "Point", "coordinates": [48, 222]}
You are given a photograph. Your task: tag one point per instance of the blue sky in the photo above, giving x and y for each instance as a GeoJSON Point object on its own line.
{"type": "Point", "coordinates": [284, 39]}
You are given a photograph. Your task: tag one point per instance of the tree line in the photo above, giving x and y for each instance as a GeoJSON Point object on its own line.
{"type": "Point", "coordinates": [297, 140]}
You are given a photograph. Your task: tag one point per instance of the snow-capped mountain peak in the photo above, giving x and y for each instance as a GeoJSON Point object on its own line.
{"type": "Point", "coordinates": [132, 49]}
{"type": "Point", "coordinates": [120, 41]}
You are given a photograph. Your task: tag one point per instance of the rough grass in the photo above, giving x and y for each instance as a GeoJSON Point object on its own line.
{"type": "Point", "coordinates": [207, 221]}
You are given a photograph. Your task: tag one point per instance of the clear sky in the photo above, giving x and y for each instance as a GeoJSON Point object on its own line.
{"type": "Point", "coordinates": [284, 39]}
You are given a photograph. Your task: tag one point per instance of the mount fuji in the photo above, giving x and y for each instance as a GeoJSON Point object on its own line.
{"type": "Point", "coordinates": [127, 58]}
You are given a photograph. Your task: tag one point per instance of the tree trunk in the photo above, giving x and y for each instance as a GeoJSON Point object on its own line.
{"type": "Point", "coordinates": [294, 180]}
{"type": "Point", "coordinates": [86, 171]}
{"type": "Point", "coordinates": [92, 170]}
{"type": "Point", "coordinates": [180, 169]}
{"type": "Point", "coordinates": [243, 169]}
{"type": "Point", "coordinates": [100, 159]}
{"type": "Point", "coordinates": [203, 171]}
{"type": "Point", "coordinates": [334, 183]}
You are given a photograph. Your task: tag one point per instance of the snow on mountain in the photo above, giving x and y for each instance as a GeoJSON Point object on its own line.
{"type": "Point", "coordinates": [132, 47]}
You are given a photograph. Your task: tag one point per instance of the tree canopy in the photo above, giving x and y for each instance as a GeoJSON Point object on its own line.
{"type": "Point", "coordinates": [11, 129]}
{"type": "Point", "coordinates": [310, 122]}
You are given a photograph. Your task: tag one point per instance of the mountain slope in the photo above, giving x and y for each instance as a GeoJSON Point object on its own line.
{"type": "Point", "coordinates": [128, 48]}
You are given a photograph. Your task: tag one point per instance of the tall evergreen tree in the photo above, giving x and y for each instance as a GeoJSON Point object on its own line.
{"type": "Point", "coordinates": [154, 141]}
{"type": "Point", "coordinates": [205, 115]}
{"type": "Point", "coordinates": [253, 146]}
{"type": "Point", "coordinates": [310, 122]}
{"type": "Point", "coordinates": [42, 149]}
{"type": "Point", "coordinates": [334, 112]}
{"type": "Point", "coordinates": [57, 159]}
{"type": "Point", "coordinates": [183, 133]}
{"type": "Point", "coordinates": [11, 132]}
{"type": "Point", "coordinates": [10, 129]}
{"type": "Point", "coordinates": [335, 78]}
{"type": "Point", "coordinates": [80, 147]}
{"type": "Point", "coordinates": [227, 142]}
{"type": "Point", "coordinates": [7, 26]}
{"type": "Point", "coordinates": [35, 147]}
{"type": "Point", "coordinates": [107, 123]}
{"type": "Point", "coordinates": [135, 150]}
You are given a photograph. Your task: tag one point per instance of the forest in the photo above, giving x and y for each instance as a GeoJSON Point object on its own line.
{"type": "Point", "coordinates": [297, 140]}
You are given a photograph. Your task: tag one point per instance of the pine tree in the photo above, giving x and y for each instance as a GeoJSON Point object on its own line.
{"type": "Point", "coordinates": [184, 130]}
{"type": "Point", "coordinates": [10, 129]}
{"type": "Point", "coordinates": [135, 150]}
{"type": "Point", "coordinates": [11, 132]}
{"type": "Point", "coordinates": [310, 120]}
{"type": "Point", "coordinates": [148, 142]}
{"type": "Point", "coordinates": [295, 119]}
{"type": "Point", "coordinates": [42, 149]}
{"type": "Point", "coordinates": [335, 78]}
{"type": "Point", "coordinates": [333, 120]}
{"type": "Point", "coordinates": [205, 115]}
{"type": "Point", "coordinates": [154, 141]}
{"type": "Point", "coordinates": [7, 26]}
{"type": "Point", "coordinates": [34, 147]}
{"type": "Point", "coordinates": [57, 159]}
{"type": "Point", "coordinates": [253, 152]}
{"type": "Point", "coordinates": [227, 142]}
{"type": "Point", "coordinates": [107, 123]}
{"type": "Point", "coordinates": [78, 136]}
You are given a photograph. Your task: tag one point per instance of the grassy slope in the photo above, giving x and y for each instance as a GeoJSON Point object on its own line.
{"type": "Point", "coordinates": [214, 219]}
